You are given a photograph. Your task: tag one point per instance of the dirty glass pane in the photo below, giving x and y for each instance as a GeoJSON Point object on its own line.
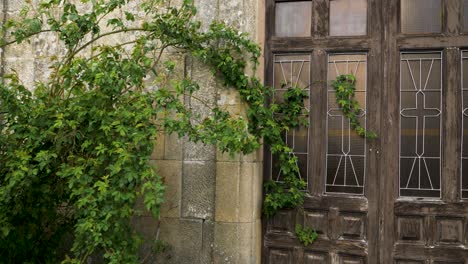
{"type": "Point", "coordinates": [293, 19]}
{"type": "Point", "coordinates": [292, 70]}
{"type": "Point", "coordinates": [348, 17]}
{"type": "Point", "coordinates": [346, 157]}
{"type": "Point", "coordinates": [420, 124]}
{"type": "Point", "coordinates": [421, 16]}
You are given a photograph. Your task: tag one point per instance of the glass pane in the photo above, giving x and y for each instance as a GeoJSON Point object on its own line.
{"type": "Point", "coordinates": [293, 19]}
{"type": "Point", "coordinates": [346, 157]}
{"type": "Point", "coordinates": [348, 17]}
{"type": "Point", "coordinates": [465, 15]}
{"type": "Point", "coordinates": [292, 71]}
{"type": "Point", "coordinates": [464, 169]}
{"type": "Point", "coordinates": [421, 16]}
{"type": "Point", "coordinates": [420, 119]}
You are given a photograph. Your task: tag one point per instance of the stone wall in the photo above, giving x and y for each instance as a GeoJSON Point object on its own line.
{"type": "Point", "coordinates": [213, 202]}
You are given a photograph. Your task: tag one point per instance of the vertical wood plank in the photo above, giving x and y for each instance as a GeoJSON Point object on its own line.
{"type": "Point", "coordinates": [317, 144]}
{"type": "Point", "coordinates": [374, 90]}
{"type": "Point", "coordinates": [321, 18]}
{"type": "Point", "coordinates": [451, 125]}
{"type": "Point", "coordinates": [269, 20]}
{"type": "Point", "coordinates": [453, 16]}
{"type": "Point", "coordinates": [389, 131]}
{"type": "Point", "coordinates": [430, 230]}
{"type": "Point", "coordinates": [268, 61]}
{"type": "Point", "coordinates": [268, 77]}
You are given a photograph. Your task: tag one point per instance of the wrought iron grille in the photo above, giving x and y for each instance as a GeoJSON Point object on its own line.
{"type": "Point", "coordinates": [293, 71]}
{"type": "Point", "coordinates": [346, 157]}
{"type": "Point", "coordinates": [420, 124]}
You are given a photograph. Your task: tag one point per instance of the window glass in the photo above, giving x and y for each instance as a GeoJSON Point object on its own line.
{"type": "Point", "coordinates": [348, 17]}
{"type": "Point", "coordinates": [346, 156]}
{"type": "Point", "coordinates": [292, 71]}
{"type": "Point", "coordinates": [420, 124]}
{"type": "Point", "coordinates": [421, 16]}
{"type": "Point", "coordinates": [293, 19]}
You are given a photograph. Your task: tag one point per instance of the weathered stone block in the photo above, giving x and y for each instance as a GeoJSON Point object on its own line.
{"type": "Point", "coordinates": [229, 96]}
{"type": "Point", "coordinates": [227, 191]}
{"type": "Point", "coordinates": [173, 147]}
{"type": "Point", "coordinates": [207, 12]}
{"type": "Point", "coordinates": [257, 189]}
{"type": "Point", "coordinates": [247, 192]}
{"type": "Point", "coordinates": [204, 99]}
{"type": "Point", "coordinates": [184, 237]}
{"type": "Point", "coordinates": [238, 192]}
{"type": "Point", "coordinates": [21, 51]}
{"type": "Point", "coordinates": [199, 152]}
{"type": "Point", "coordinates": [159, 147]}
{"type": "Point", "coordinates": [225, 156]}
{"type": "Point", "coordinates": [198, 189]}
{"type": "Point", "coordinates": [256, 156]}
{"type": "Point", "coordinates": [15, 5]}
{"type": "Point", "coordinates": [236, 243]}
{"type": "Point", "coordinates": [171, 173]}
{"type": "Point", "coordinates": [24, 68]}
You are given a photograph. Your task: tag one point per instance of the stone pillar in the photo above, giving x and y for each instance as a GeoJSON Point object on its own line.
{"type": "Point", "coordinates": [213, 202]}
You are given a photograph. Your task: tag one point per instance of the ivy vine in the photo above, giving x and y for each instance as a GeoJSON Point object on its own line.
{"type": "Point", "coordinates": [345, 89]}
{"type": "Point", "coordinates": [74, 152]}
{"type": "Point", "coordinates": [306, 235]}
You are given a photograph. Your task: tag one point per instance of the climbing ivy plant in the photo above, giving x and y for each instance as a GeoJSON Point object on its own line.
{"type": "Point", "coordinates": [306, 235]}
{"type": "Point", "coordinates": [345, 88]}
{"type": "Point", "coordinates": [74, 148]}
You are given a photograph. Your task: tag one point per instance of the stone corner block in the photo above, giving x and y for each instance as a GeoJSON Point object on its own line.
{"type": "Point", "coordinates": [237, 243]}
{"type": "Point", "coordinates": [198, 189]}
{"type": "Point", "coordinates": [227, 192]}
{"type": "Point", "coordinates": [184, 237]}
{"type": "Point", "coordinates": [171, 173]}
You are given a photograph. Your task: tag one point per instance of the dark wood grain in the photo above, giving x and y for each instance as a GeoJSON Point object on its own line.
{"type": "Point", "coordinates": [453, 16]}
{"type": "Point", "coordinates": [318, 129]}
{"type": "Point", "coordinates": [452, 125]}
{"type": "Point", "coordinates": [329, 44]}
{"type": "Point", "coordinates": [389, 132]}
{"type": "Point", "coordinates": [321, 19]}
{"type": "Point", "coordinates": [378, 227]}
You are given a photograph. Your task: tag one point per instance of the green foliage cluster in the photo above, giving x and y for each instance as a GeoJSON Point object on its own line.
{"type": "Point", "coordinates": [345, 88]}
{"type": "Point", "coordinates": [74, 152]}
{"type": "Point", "coordinates": [306, 235]}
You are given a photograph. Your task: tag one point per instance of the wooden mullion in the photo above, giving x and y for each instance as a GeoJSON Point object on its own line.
{"type": "Point", "coordinates": [437, 42]}
{"type": "Point", "coordinates": [269, 20]}
{"type": "Point", "coordinates": [389, 137]}
{"type": "Point", "coordinates": [451, 125]}
{"type": "Point", "coordinates": [453, 17]}
{"type": "Point", "coordinates": [317, 143]}
{"type": "Point", "coordinates": [320, 18]}
{"type": "Point", "coordinates": [336, 43]}
{"type": "Point", "coordinates": [374, 90]}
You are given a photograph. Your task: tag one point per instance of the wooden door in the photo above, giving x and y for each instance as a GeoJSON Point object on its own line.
{"type": "Point", "coordinates": [340, 167]}
{"type": "Point", "coordinates": [397, 199]}
{"type": "Point", "coordinates": [423, 210]}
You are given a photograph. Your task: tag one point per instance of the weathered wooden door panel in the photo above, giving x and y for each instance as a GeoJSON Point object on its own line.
{"type": "Point", "coordinates": [340, 222]}
{"type": "Point", "coordinates": [398, 199]}
{"type": "Point", "coordinates": [424, 218]}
